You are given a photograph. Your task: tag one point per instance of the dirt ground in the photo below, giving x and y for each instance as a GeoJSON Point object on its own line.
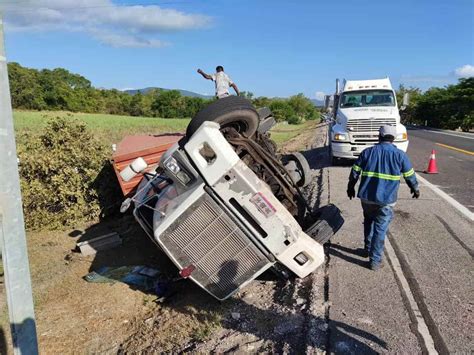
{"type": "Point", "coordinates": [74, 316]}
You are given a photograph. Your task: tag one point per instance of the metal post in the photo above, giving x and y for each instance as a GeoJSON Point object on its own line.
{"type": "Point", "coordinates": [12, 231]}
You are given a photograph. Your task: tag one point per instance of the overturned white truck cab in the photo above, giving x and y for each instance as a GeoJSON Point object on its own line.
{"type": "Point", "coordinates": [224, 207]}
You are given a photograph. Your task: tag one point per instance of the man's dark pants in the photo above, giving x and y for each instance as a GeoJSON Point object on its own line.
{"type": "Point", "coordinates": [376, 221]}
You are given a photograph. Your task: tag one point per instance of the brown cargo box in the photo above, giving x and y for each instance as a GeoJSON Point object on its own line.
{"type": "Point", "coordinates": [149, 147]}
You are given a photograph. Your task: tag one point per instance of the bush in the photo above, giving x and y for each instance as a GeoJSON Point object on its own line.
{"type": "Point", "coordinates": [281, 110]}
{"type": "Point", "coordinates": [65, 176]}
{"type": "Point", "coordinates": [295, 110]}
{"type": "Point", "coordinates": [468, 122]}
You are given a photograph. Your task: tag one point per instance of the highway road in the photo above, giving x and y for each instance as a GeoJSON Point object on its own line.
{"type": "Point", "coordinates": [455, 160]}
{"type": "Point", "coordinates": [421, 301]}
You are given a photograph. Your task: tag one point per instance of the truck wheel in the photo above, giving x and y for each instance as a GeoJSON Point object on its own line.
{"type": "Point", "coordinates": [232, 111]}
{"type": "Point", "coordinates": [302, 168]}
{"type": "Point", "coordinates": [328, 221]}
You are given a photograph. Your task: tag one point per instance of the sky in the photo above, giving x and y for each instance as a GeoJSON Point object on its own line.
{"type": "Point", "coordinates": [268, 47]}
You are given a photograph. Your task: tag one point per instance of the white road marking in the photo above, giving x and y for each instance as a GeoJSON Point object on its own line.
{"type": "Point", "coordinates": [421, 324]}
{"type": "Point", "coordinates": [463, 209]}
{"type": "Point", "coordinates": [448, 134]}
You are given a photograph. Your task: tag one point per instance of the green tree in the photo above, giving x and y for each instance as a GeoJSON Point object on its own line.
{"type": "Point", "coordinates": [303, 108]}
{"type": "Point", "coordinates": [247, 94]}
{"type": "Point", "coordinates": [26, 91]}
{"type": "Point", "coordinates": [169, 104]}
{"type": "Point", "coordinates": [451, 107]}
{"type": "Point", "coordinates": [282, 110]}
{"type": "Point", "coordinates": [261, 101]}
{"type": "Point", "coordinates": [415, 95]}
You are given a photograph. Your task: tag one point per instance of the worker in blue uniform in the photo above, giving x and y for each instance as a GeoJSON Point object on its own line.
{"type": "Point", "coordinates": [380, 168]}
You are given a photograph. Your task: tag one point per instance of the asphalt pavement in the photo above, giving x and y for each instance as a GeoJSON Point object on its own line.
{"type": "Point", "coordinates": [422, 298]}
{"type": "Point", "coordinates": [454, 157]}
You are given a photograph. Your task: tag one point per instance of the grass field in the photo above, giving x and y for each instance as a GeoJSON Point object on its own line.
{"type": "Point", "coordinates": [112, 128]}
{"type": "Point", "coordinates": [283, 132]}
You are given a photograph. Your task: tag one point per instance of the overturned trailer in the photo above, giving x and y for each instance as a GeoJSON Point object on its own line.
{"type": "Point", "coordinates": [224, 207]}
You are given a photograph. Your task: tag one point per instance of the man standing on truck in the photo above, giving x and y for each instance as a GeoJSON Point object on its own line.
{"type": "Point", "coordinates": [380, 167]}
{"type": "Point", "coordinates": [222, 81]}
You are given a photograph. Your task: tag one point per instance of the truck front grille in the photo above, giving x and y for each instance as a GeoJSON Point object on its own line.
{"type": "Point", "coordinates": [369, 125]}
{"type": "Point", "coordinates": [207, 238]}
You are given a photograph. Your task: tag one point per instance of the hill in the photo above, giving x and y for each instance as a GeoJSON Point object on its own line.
{"type": "Point", "coordinates": [317, 103]}
{"type": "Point", "coordinates": [182, 92]}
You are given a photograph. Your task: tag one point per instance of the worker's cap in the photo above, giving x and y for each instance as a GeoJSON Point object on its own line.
{"type": "Point", "coordinates": [387, 130]}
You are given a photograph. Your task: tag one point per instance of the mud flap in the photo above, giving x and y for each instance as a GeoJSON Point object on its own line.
{"type": "Point", "coordinates": [328, 221]}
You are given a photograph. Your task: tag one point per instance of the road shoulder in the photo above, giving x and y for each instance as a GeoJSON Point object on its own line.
{"type": "Point", "coordinates": [367, 312]}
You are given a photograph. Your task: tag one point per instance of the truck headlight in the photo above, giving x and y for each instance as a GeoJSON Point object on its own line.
{"type": "Point", "coordinates": [402, 137]}
{"type": "Point", "coordinates": [340, 137]}
{"type": "Point", "coordinates": [172, 165]}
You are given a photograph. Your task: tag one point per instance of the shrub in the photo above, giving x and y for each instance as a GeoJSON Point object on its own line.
{"type": "Point", "coordinates": [468, 122]}
{"type": "Point", "coordinates": [65, 175]}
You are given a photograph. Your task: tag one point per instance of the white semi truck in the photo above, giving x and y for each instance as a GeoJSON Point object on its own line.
{"type": "Point", "coordinates": [358, 111]}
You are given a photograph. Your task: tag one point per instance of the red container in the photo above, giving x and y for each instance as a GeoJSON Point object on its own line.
{"type": "Point", "coordinates": [149, 147]}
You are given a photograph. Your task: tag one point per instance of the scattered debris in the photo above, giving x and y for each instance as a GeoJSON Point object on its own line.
{"type": "Point", "coordinates": [235, 315]}
{"type": "Point", "coordinates": [141, 276]}
{"type": "Point", "coordinates": [149, 322]}
{"type": "Point", "coordinates": [104, 242]}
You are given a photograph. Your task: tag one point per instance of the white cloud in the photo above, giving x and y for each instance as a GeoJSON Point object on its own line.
{"type": "Point", "coordinates": [320, 95]}
{"type": "Point", "coordinates": [466, 71]}
{"type": "Point", "coordinates": [113, 24]}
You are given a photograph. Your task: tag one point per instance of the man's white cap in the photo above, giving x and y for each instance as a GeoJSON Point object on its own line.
{"type": "Point", "coordinates": [387, 130]}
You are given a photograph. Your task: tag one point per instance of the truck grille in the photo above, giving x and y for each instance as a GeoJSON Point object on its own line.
{"type": "Point", "coordinates": [369, 125]}
{"type": "Point", "coordinates": [207, 238]}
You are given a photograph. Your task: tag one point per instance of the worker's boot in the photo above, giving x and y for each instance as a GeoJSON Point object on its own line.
{"type": "Point", "coordinates": [375, 266]}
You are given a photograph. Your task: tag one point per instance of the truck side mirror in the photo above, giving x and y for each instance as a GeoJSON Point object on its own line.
{"type": "Point", "coordinates": [406, 99]}
{"type": "Point", "coordinates": [327, 102]}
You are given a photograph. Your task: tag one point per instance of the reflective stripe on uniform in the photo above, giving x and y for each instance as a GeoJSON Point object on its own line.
{"type": "Point", "coordinates": [356, 168]}
{"type": "Point", "coordinates": [409, 173]}
{"type": "Point", "coordinates": [380, 175]}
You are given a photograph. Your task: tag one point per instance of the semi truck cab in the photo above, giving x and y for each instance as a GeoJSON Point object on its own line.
{"type": "Point", "coordinates": [224, 206]}
{"type": "Point", "coordinates": [358, 111]}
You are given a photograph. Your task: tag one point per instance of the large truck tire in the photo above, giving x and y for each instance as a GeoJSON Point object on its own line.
{"type": "Point", "coordinates": [232, 111]}
{"type": "Point", "coordinates": [303, 169]}
{"type": "Point", "coordinates": [328, 221]}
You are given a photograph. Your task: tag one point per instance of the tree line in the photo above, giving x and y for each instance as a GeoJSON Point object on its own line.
{"type": "Point", "coordinates": [59, 89]}
{"type": "Point", "coordinates": [451, 107]}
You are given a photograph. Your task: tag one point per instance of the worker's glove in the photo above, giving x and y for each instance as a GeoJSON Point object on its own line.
{"type": "Point", "coordinates": [351, 192]}
{"type": "Point", "coordinates": [415, 193]}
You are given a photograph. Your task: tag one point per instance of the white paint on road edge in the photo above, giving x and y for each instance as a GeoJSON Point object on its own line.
{"type": "Point", "coordinates": [464, 210]}
{"type": "Point", "coordinates": [421, 324]}
{"type": "Point", "coordinates": [448, 134]}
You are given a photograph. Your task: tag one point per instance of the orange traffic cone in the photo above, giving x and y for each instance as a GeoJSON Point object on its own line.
{"type": "Point", "coordinates": [432, 168]}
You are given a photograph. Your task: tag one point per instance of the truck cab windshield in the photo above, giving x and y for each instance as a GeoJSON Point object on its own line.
{"type": "Point", "coordinates": [367, 98]}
